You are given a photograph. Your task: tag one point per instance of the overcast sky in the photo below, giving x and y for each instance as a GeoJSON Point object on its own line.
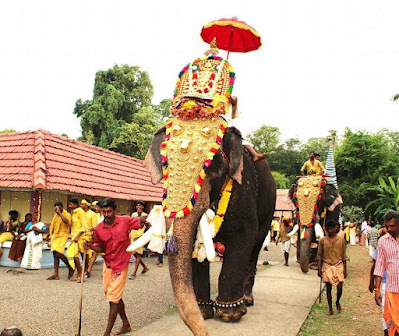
{"type": "Point", "coordinates": [323, 65]}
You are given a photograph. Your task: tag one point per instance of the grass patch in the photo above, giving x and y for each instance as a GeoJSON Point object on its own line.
{"type": "Point", "coordinates": [360, 314]}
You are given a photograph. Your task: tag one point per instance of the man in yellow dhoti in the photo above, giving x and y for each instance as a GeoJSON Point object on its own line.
{"type": "Point", "coordinates": [13, 225]}
{"type": "Point", "coordinates": [92, 221]}
{"type": "Point", "coordinates": [58, 235]}
{"type": "Point", "coordinates": [78, 229]}
{"type": "Point", "coordinates": [331, 258]}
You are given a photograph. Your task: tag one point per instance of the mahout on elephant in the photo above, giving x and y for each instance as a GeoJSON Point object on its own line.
{"type": "Point", "coordinates": [317, 201]}
{"type": "Point", "coordinates": [204, 165]}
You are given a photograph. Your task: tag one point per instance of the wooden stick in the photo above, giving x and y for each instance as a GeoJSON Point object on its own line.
{"type": "Point", "coordinates": [321, 288]}
{"type": "Point", "coordinates": [82, 276]}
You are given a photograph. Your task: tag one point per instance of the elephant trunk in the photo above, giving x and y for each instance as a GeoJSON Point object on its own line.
{"type": "Point", "coordinates": [305, 250]}
{"type": "Point", "coordinates": [180, 265]}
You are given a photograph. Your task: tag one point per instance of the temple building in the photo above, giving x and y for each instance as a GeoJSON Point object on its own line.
{"type": "Point", "coordinates": [38, 168]}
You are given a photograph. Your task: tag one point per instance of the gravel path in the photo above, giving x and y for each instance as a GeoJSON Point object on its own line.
{"type": "Point", "coordinates": [50, 308]}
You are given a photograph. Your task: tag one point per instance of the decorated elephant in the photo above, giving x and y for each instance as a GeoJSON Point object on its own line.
{"type": "Point", "coordinates": [204, 165]}
{"type": "Point", "coordinates": [316, 201]}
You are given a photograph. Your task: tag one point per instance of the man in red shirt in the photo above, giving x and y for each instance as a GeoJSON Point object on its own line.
{"type": "Point", "coordinates": [111, 237]}
{"type": "Point", "coordinates": [387, 260]}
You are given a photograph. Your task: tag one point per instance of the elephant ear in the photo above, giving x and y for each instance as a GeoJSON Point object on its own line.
{"type": "Point", "coordinates": [153, 160]}
{"type": "Point", "coordinates": [232, 145]}
{"type": "Point", "coordinates": [291, 192]}
{"type": "Point", "coordinates": [332, 198]}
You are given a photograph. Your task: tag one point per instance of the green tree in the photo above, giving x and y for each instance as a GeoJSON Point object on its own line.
{"type": "Point", "coordinates": [163, 108]}
{"type": "Point", "coordinates": [135, 137]}
{"type": "Point", "coordinates": [282, 182]}
{"type": "Point", "coordinates": [352, 212]}
{"type": "Point", "coordinates": [119, 93]}
{"type": "Point", "coordinates": [288, 159]}
{"type": "Point", "coordinates": [8, 130]}
{"type": "Point", "coordinates": [361, 160]}
{"type": "Point", "coordinates": [387, 196]}
{"type": "Point", "coordinates": [265, 139]}
{"type": "Point", "coordinates": [317, 145]}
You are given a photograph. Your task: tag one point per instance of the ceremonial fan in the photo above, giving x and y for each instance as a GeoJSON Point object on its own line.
{"type": "Point", "coordinates": [231, 35]}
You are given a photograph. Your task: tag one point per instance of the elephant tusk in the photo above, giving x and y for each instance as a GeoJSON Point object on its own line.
{"type": "Point", "coordinates": [207, 238]}
{"type": "Point", "coordinates": [144, 239]}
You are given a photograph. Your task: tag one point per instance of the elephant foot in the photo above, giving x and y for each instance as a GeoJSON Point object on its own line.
{"type": "Point", "coordinates": [231, 311]}
{"type": "Point", "coordinates": [249, 299]}
{"type": "Point", "coordinates": [206, 308]}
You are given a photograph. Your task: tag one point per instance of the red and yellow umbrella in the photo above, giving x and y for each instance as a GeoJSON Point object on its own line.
{"type": "Point", "coordinates": [231, 35]}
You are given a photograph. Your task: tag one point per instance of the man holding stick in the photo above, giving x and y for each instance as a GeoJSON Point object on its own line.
{"type": "Point", "coordinates": [112, 238]}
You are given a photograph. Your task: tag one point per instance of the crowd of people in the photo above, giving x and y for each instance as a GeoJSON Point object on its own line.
{"type": "Point", "coordinates": [29, 236]}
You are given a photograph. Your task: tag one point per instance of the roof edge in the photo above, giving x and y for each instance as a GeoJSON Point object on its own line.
{"type": "Point", "coordinates": [39, 161]}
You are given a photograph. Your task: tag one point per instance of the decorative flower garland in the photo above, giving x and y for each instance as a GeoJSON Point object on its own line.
{"type": "Point", "coordinates": [223, 204]}
{"type": "Point", "coordinates": [315, 209]}
{"type": "Point", "coordinates": [197, 188]}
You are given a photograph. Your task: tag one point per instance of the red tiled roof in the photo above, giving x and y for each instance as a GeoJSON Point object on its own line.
{"type": "Point", "coordinates": [42, 160]}
{"type": "Point", "coordinates": [283, 202]}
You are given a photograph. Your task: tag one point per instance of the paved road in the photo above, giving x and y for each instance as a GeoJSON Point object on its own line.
{"type": "Point", "coordinates": [41, 307]}
{"type": "Point", "coordinates": [283, 298]}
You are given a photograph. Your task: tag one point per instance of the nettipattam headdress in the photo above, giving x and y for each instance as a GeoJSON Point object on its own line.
{"type": "Point", "coordinates": [204, 87]}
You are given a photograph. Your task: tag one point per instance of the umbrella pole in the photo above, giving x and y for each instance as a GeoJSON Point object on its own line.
{"type": "Point", "coordinates": [231, 38]}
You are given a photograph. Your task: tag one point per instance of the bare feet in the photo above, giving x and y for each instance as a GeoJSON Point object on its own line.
{"type": "Point", "coordinates": [160, 265]}
{"type": "Point", "coordinates": [75, 279]}
{"type": "Point", "coordinates": [330, 312]}
{"type": "Point", "coordinates": [125, 329]}
{"type": "Point", "coordinates": [53, 277]}
{"type": "Point", "coordinates": [145, 270]}
{"type": "Point", "coordinates": [70, 273]}
{"type": "Point", "coordinates": [132, 277]}
{"type": "Point", "coordinates": [259, 157]}
{"type": "Point", "coordinates": [339, 308]}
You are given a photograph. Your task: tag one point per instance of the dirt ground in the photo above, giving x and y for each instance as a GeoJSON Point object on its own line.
{"type": "Point", "coordinates": [360, 315]}
{"type": "Point", "coordinates": [50, 308]}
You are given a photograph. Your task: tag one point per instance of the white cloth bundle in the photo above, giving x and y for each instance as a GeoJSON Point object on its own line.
{"type": "Point", "coordinates": [318, 231]}
{"type": "Point", "coordinates": [203, 246]}
{"type": "Point", "coordinates": [155, 235]}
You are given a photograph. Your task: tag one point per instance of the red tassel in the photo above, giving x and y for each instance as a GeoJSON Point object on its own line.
{"type": "Point", "coordinates": [314, 216]}
{"type": "Point", "coordinates": [323, 183]}
{"type": "Point", "coordinates": [297, 214]}
{"type": "Point", "coordinates": [305, 235]}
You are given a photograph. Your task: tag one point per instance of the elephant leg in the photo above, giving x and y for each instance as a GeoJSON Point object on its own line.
{"type": "Point", "coordinates": [251, 271]}
{"type": "Point", "coordinates": [202, 288]}
{"type": "Point", "coordinates": [305, 250]}
{"type": "Point", "coordinates": [230, 304]}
